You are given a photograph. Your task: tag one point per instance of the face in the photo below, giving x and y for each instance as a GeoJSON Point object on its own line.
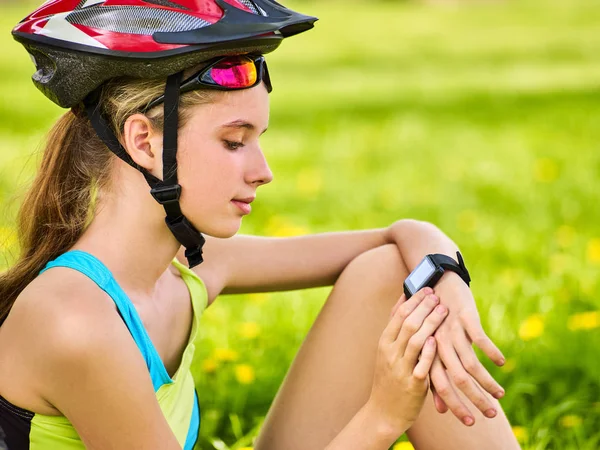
{"type": "Point", "coordinates": [220, 162]}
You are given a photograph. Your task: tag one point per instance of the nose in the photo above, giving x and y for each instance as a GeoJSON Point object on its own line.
{"type": "Point", "coordinates": [259, 172]}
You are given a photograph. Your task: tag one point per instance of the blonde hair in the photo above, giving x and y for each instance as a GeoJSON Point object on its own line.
{"type": "Point", "coordinates": [75, 165]}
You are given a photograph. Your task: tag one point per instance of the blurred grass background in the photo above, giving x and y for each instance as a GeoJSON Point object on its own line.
{"type": "Point", "coordinates": [480, 118]}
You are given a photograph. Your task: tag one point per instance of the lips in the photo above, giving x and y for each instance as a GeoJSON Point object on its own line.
{"type": "Point", "coordinates": [244, 200]}
{"type": "Point", "coordinates": [243, 204]}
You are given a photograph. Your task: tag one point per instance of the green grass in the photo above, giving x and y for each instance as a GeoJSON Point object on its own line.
{"type": "Point", "coordinates": [483, 119]}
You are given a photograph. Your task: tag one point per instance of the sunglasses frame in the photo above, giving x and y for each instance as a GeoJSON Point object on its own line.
{"type": "Point", "coordinates": [203, 79]}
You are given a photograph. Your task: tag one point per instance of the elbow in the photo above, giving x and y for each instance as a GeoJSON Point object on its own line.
{"type": "Point", "coordinates": [406, 226]}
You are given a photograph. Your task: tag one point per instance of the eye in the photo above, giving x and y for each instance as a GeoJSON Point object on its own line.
{"type": "Point", "coordinates": [232, 145]}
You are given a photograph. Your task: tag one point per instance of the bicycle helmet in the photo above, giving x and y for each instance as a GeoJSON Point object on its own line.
{"type": "Point", "coordinates": [77, 45]}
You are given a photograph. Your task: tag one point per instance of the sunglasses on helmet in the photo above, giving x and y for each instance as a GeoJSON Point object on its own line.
{"type": "Point", "coordinates": [228, 73]}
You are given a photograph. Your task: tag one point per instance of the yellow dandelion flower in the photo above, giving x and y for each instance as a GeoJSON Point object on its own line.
{"type": "Point", "coordinates": [565, 235]}
{"type": "Point", "coordinates": [584, 321]}
{"type": "Point", "coordinates": [467, 221]}
{"type": "Point", "coordinates": [403, 446]}
{"type": "Point", "coordinates": [309, 182]}
{"type": "Point", "coordinates": [225, 354]}
{"type": "Point", "coordinates": [244, 373]}
{"type": "Point", "coordinates": [209, 365]}
{"type": "Point", "coordinates": [520, 433]}
{"type": "Point", "coordinates": [279, 226]}
{"type": "Point", "coordinates": [570, 421]}
{"type": "Point", "coordinates": [545, 170]}
{"type": "Point", "coordinates": [593, 251]}
{"type": "Point", "coordinates": [249, 330]}
{"type": "Point", "coordinates": [509, 365]}
{"type": "Point", "coordinates": [532, 327]}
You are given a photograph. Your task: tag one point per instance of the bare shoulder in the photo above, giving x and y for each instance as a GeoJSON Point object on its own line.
{"type": "Point", "coordinates": [62, 315]}
{"type": "Point", "coordinates": [79, 357]}
{"type": "Point", "coordinates": [62, 304]}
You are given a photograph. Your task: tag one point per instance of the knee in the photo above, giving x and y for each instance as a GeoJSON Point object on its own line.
{"type": "Point", "coordinates": [384, 259]}
{"type": "Point", "coordinates": [381, 271]}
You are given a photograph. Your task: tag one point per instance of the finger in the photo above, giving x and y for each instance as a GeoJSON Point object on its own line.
{"type": "Point", "coordinates": [413, 347]}
{"type": "Point", "coordinates": [424, 365]}
{"type": "Point", "coordinates": [473, 366]}
{"type": "Point", "coordinates": [446, 391]}
{"type": "Point", "coordinates": [401, 300]}
{"type": "Point", "coordinates": [480, 339]}
{"type": "Point", "coordinates": [463, 381]}
{"type": "Point", "coordinates": [437, 400]}
{"type": "Point", "coordinates": [413, 323]}
{"type": "Point", "coordinates": [390, 333]}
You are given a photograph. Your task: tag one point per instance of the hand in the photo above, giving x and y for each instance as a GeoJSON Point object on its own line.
{"type": "Point", "coordinates": [456, 356]}
{"type": "Point", "coordinates": [404, 357]}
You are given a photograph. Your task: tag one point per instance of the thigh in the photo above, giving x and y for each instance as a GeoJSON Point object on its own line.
{"type": "Point", "coordinates": [331, 376]}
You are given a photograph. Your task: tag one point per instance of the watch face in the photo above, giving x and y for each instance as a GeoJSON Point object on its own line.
{"type": "Point", "coordinates": [417, 279]}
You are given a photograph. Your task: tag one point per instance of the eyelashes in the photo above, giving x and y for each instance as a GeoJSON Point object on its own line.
{"type": "Point", "coordinates": [232, 145]}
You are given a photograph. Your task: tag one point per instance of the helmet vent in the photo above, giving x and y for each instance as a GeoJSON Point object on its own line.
{"type": "Point", "coordinates": [167, 4]}
{"type": "Point", "coordinates": [251, 6]}
{"type": "Point", "coordinates": [135, 20]}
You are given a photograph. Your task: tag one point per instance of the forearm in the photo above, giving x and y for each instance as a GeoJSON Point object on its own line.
{"type": "Point", "coordinates": [364, 432]}
{"type": "Point", "coordinates": [258, 264]}
{"type": "Point", "coordinates": [415, 239]}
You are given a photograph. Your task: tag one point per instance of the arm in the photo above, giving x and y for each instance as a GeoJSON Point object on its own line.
{"type": "Point", "coordinates": [456, 335]}
{"type": "Point", "coordinates": [261, 264]}
{"type": "Point", "coordinates": [254, 264]}
{"type": "Point", "coordinates": [94, 374]}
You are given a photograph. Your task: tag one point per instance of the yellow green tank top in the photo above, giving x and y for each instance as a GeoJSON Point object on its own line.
{"type": "Point", "coordinates": [177, 396]}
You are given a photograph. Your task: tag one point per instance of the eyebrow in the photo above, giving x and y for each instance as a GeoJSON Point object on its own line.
{"type": "Point", "coordinates": [242, 124]}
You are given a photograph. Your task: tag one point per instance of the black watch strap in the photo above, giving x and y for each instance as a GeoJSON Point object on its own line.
{"type": "Point", "coordinates": [448, 263]}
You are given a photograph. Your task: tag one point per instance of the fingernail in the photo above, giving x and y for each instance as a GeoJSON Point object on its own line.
{"type": "Point", "coordinates": [490, 413]}
{"type": "Point", "coordinates": [441, 309]}
{"type": "Point", "coordinates": [428, 290]}
{"type": "Point", "coordinates": [501, 361]}
{"type": "Point", "coordinates": [499, 394]}
{"type": "Point", "coordinates": [468, 421]}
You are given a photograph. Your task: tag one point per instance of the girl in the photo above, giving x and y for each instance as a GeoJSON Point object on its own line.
{"type": "Point", "coordinates": [100, 320]}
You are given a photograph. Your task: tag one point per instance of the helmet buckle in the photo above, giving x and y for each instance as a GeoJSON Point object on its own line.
{"type": "Point", "coordinates": [166, 194]}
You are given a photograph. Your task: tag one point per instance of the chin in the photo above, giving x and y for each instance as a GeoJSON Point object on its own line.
{"type": "Point", "coordinates": [222, 230]}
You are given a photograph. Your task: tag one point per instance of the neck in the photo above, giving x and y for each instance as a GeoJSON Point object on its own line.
{"type": "Point", "coordinates": [131, 238]}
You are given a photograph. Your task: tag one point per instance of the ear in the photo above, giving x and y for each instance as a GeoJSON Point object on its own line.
{"type": "Point", "coordinates": [143, 143]}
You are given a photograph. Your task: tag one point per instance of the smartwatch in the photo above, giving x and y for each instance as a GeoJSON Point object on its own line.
{"type": "Point", "coordinates": [430, 270]}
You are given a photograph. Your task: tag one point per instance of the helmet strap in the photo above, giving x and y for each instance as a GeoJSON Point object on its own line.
{"type": "Point", "coordinates": [166, 191]}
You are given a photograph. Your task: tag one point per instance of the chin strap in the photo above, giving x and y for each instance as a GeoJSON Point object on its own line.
{"type": "Point", "coordinates": [166, 191]}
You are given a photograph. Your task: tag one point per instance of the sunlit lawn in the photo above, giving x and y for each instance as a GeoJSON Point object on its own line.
{"type": "Point", "coordinates": [482, 119]}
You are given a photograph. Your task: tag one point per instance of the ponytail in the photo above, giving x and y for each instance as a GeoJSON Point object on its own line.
{"type": "Point", "coordinates": [56, 209]}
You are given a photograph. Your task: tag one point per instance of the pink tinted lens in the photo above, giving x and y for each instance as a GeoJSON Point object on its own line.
{"type": "Point", "coordinates": [235, 73]}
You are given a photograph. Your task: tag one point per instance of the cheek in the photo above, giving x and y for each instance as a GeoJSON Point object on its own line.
{"type": "Point", "coordinates": [205, 172]}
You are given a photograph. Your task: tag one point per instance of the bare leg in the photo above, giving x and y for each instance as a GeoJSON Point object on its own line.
{"type": "Point", "coordinates": [330, 378]}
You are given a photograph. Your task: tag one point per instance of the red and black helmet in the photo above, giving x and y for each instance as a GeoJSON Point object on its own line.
{"type": "Point", "coordinates": [79, 44]}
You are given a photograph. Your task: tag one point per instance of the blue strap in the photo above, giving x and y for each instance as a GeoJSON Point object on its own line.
{"type": "Point", "coordinates": [194, 427]}
{"type": "Point", "coordinates": [94, 269]}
